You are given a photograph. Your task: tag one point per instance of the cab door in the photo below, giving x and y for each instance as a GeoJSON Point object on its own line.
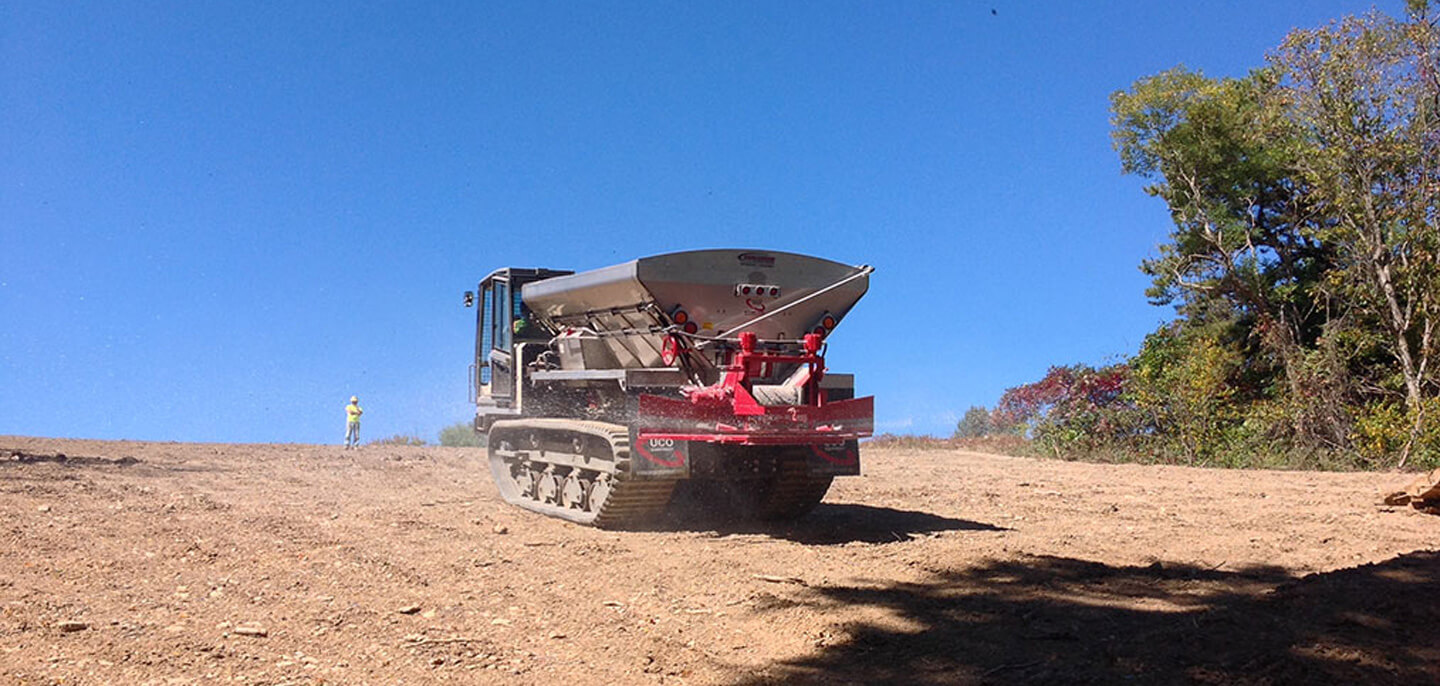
{"type": "Point", "coordinates": [501, 369]}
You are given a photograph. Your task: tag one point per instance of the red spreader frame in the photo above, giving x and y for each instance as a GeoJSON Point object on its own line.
{"type": "Point", "coordinates": [728, 413]}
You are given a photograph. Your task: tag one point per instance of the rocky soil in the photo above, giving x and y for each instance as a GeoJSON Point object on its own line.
{"type": "Point", "coordinates": [168, 563]}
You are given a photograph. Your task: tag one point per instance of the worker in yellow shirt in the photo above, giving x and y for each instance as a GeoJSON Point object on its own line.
{"type": "Point", "coordinates": [352, 423]}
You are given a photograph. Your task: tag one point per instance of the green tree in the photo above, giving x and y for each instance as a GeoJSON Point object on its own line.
{"type": "Point", "coordinates": [975, 423]}
{"type": "Point", "coordinates": [1187, 382]}
{"type": "Point", "coordinates": [1364, 93]}
{"type": "Point", "coordinates": [1304, 261]}
{"type": "Point", "coordinates": [461, 434]}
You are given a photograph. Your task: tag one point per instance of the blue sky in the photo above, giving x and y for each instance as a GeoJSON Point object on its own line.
{"type": "Point", "coordinates": [219, 220]}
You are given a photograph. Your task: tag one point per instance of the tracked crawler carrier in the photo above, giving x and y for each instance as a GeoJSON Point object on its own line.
{"type": "Point", "coordinates": [688, 380]}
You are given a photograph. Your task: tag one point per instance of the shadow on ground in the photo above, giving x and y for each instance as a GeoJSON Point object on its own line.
{"type": "Point", "coordinates": [832, 524]}
{"type": "Point", "coordinates": [1059, 620]}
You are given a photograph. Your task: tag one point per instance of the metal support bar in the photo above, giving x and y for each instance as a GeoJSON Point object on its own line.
{"type": "Point", "coordinates": [587, 314]}
{"type": "Point", "coordinates": [863, 272]}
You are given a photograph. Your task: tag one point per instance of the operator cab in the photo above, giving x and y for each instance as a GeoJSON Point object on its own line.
{"type": "Point", "coordinates": [503, 324]}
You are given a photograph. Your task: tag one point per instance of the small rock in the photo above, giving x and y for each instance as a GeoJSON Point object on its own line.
{"type": "Point", "coordinates": [500, 622]}
{"type": "Point", "coordinates": [251, 630]}
{"type": "Point", "coordinates": [557, 635]}
{"type": "Point", "coordinates": [501, 529]}
{"type": "Point", "coordinates": [409, 609]}
{"type": "Point", "coordinates": [46, 508]}
{"type": "Point", "coordinates": [72, 626]}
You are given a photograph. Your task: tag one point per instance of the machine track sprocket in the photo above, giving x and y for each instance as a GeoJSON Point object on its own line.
{"type": "Point", "coordinates": [776, 486]}
{"type": "Point", "coordinates": [579, 471]}
{"type": "Point", "coordinates": [792, 492]}
{"type": "Point", "coordinates": [575, 470]}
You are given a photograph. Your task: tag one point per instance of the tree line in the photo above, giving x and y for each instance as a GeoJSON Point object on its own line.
{"type": "Point", "coordinates": [1303, 264]}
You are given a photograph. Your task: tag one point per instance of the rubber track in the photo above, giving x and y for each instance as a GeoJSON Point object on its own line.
{"type": "Point", "coordinates": [792, 492]}
{"type": "Point", "coordinates": [632, 502]}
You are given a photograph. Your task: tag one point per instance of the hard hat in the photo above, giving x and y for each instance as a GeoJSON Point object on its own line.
{"type": "Point", "coordinates": [354, 399]}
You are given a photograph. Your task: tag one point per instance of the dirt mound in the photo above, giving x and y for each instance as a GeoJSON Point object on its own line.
{"type": "Point", "coordinates": [24, 457]}
{"type": "Point", "coordinates": [1422, 493]}
{"type": "Point", "coordinates": [307, 564]}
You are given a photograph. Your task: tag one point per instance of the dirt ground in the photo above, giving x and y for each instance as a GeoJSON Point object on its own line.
{"type": "Point", "coordinates": [170, 563]}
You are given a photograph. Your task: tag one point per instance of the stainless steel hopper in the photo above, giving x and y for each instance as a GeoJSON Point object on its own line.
{"type": "Point", "coordinates": [623, 312]}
